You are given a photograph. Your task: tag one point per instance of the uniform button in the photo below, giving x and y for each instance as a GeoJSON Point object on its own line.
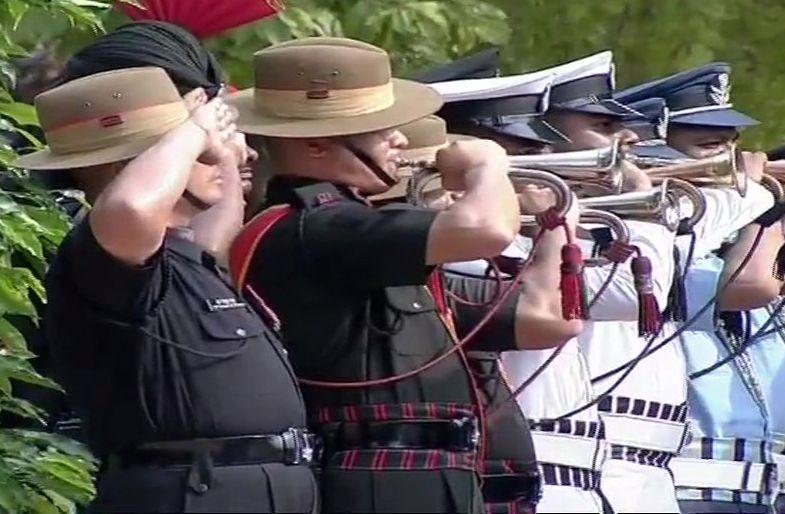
{"type": "Point", "coordinates": [202, 488]}
{"type": "Point", "coordinates": [240, 332]}
{"type": "Point", "coordinates": [417, 305]}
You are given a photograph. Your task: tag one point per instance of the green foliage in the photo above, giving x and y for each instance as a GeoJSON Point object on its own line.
{"type": "Point", "coordinates": [417, 33]}
{"type": "Point", "coordinates": [649, 39]}
{"type": "Point", "coordinates": [39, 472]}
{"type": "Point", "coordinates": [655, 39]}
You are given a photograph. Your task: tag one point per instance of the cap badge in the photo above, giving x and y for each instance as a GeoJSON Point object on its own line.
{"type": "Point", "coordinates": [720, 93]}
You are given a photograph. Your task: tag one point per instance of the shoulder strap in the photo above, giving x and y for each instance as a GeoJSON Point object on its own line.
{"type": "Point", "coordinates": [316, 195]}
{"type": "Point", "coordinates": [247, 241]}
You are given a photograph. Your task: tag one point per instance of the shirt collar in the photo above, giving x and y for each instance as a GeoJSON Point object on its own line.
{"type": "Point", "coordinates": [179, 243]}
{"type": "Point", "coordinates": [280, 189]}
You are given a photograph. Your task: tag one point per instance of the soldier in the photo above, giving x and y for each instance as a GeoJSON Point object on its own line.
{"type": "Point", "coordinates": [508, 110]}
{"type": "Point", "coordinates": [348, 281]}
{"type": "Point", "coordinates": [700, 96]}
{"type": "Point", "coordinates": [532, 318]}
{"type": "Point", "coordinates": [194, 71]}
{"type": "Point", "coordinates": [147, 335]}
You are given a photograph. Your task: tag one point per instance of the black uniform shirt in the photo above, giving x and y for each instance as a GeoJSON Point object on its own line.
{"type": "Point", "coordinates": [348, 281]}
{"type": "Point", "coordinates": [507, 435]}
{"type": "Point", "coordinates": [164, 351]}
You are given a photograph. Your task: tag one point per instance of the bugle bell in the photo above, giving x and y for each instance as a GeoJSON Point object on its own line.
{"type": "Point", "coordinates": [725, 169]}
{"type": "Point", "coordinates": [598, 168]}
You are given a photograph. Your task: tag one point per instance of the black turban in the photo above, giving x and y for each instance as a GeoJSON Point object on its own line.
{"type": "Point", "coordinates": [151, 43]}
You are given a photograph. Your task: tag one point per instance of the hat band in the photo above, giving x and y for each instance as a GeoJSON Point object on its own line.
{"type": "Point", "coordinates": [324, 104]}
{"type": "Point", "coordinates": [702, 108]}
{"type": "Point", "coordinates": [113, 130]}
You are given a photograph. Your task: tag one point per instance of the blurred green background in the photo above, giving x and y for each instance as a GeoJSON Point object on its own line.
{"type": "Point", "coordinates": [650, 38]}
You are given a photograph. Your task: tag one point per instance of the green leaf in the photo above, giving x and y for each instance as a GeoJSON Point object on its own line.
{"type": "Point", "coordinates": [23, 114]}
{"type": "Point", "coordinates": [20, 235]}
{"type": "Point", "coordinates": [23, 408]}
{"type": "Point", "coordinates": [20, 369]}
{"type": "Point", "coordinates": [57, 442]}
{"type": "Point", "coordinates": [13, 295]}
{"type": "Point", "coordinates": [17, 9]}
{"type": "Point", "coordinates": [11, 339]}
{"type": "Point", "coordinates": [11, 491]}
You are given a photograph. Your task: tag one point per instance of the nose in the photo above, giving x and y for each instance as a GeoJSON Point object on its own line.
{"type": "Point", "coordinates": [398, 140]}
{"type": "Point", "coordinates": [627, 136]}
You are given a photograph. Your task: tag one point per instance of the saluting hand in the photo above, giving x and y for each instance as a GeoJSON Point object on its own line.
{"type": "Point", "coordinates": [239, 160]}
{"type": "Point", "coordinates": [217, 119]}
{"type": "Point", "coordinates": [461, 157]}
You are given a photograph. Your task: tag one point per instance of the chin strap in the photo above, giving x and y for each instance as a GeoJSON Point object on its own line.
{"type": "Point", "coordinates": [195, 201]}
{"type": "Point", "coordinates": [371, 165]}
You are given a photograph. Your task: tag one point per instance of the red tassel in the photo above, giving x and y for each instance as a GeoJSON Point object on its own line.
{"type": "Point", "coordinates": [573, 294]}
{"type": "Point", "coordinates": [649, 318]}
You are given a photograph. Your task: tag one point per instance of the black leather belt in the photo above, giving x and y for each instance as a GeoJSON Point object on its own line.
{"type": "Point", "coordinates": [461, 435]}
{"type": "Point", "coordinates": [517, 487]}
{"type": "Point", "coordinates": [294, 446]}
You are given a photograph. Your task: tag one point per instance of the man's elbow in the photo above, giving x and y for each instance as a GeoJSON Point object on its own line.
{"type": "Point", "coordinates": [494, 236]}
{"type": "Point", "coordinates": [749, 296]}
{"type": "Point", "coordinates": [541, 335]}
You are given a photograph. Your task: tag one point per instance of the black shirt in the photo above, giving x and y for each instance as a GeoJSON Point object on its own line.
{"type": "Point", "coordinates": [348, 282]}
{"type": "Point", "coordinates": [507, 430]}
{"type": "Point", "coordinates": [164, 351]}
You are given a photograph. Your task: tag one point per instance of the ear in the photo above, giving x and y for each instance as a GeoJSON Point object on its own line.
{"type": "Point", "coordinates": [318, 148]}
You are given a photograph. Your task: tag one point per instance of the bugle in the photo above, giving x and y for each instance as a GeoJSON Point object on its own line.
{"type": "Point", "coordinates": [725, 169]}
{"type": "Point", "coordinates": [424, 175]}
{"type": "Point", "coordinates": [660, 205]}
{"type": "Point", "coordinates": [599, 169]}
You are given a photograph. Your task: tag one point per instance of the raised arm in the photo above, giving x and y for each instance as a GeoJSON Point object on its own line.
{"type": "Point", "coordinates": [755, 286]}
{"type": "Point", "coordinates": [485, 220]}
{"type": "Point", "coordinates": [131, 215]}
{"type": "Point", "coordinates": [539, 322]}
{"type": "Point", "coordinates": [216, 228]}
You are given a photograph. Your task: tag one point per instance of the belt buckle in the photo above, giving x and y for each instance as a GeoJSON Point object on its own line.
{"type": "Point", "coordinates": [468, 433]}
{"type": "Point", "coordinates": [297, 447]}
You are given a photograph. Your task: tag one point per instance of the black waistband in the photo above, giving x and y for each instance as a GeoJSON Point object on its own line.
{"type": "Point", "coordinates": [460, 435]}
{"type": "Point", "coordinates": [511, 488]}
{"type": "Point", "coordinates": [294, 446]}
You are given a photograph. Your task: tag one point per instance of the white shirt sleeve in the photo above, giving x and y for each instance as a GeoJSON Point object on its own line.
{"type": "Point", "coordinates": [700, 285]}
{"type": "Point", "coordinates": [726, 213]}
{"type": "Point", "coordinates": [619, 302]}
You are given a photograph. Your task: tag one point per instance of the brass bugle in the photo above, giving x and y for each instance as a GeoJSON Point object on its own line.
{"type": "Point", "coordinates": [559, 188]}
{"type": "Point", "coordinates": [725, 169]}
{"type": "Point", "coordinates": [594, 216]}
{"type": "Point", "coordinates": [621, 233]}
{"type": "Point", "coordinates": [599, 168]}
{"type": "Point", "coordinates": [661, 205]}
{"type": "Point", "coordinates": [773, 178]}
{"type": "Point", "coordinates": [774, 185]}
{"type": "Point", "coordinates": [425, 174]}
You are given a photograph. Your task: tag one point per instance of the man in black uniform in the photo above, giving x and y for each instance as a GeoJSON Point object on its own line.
{"type": "Point", "coordinates": [348, 280]}
{"type": "Point", "coordinates": [510, 479]}
{"type": "Point", "coordinates": [186, 395]}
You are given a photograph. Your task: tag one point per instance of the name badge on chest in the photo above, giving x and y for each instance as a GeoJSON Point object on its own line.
{"type": "Point", "coordinates": [223, 304]}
